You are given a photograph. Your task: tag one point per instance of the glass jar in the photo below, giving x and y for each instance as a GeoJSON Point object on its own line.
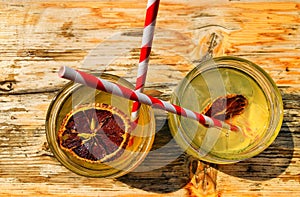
{"type": "Point", "coordinates": [74, 95]}
{"type": "Point", "coordinates": [222, 77]}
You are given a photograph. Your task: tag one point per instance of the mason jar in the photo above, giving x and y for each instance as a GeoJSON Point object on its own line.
{"type": "Point", "coordinates": [76, 98]}
{"type": "Point", "coordinates": [224, 80]}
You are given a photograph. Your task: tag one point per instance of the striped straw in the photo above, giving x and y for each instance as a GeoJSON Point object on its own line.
{"type": "Point", "coordinates": [149, 26]}
{"type": "Point", "coordinates": [115, 89]}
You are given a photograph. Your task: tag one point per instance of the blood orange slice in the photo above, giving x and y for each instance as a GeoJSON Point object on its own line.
{"type": "Point", "coordinates": [226, 107]}
{"type": "Point", "coordinates": [95, 133]}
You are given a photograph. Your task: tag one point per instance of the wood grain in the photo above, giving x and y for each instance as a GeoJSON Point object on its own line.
{"type": "Point", "coordinates": [37, 37]}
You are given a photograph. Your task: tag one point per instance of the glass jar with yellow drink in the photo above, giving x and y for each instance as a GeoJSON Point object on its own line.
{"type": "Point", "coordinates": [90, 132]}
{"type": "Point", "coordinates": [233, 90]}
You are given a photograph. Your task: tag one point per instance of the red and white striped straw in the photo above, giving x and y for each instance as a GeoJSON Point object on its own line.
{"type": "Point", "coordinates": [147, 38]}
{"type": "Point", "coordinates": [115, 89]}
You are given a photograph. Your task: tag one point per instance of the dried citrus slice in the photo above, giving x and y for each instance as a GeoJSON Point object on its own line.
{"type": "Point", "coordinates": [95, 133]}
{"type": "Point", "coordinates": [226, 107]}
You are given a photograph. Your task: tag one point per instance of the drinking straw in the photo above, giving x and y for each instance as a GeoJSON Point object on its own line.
{"type": "Point", "coordinates": [115, 89]}
{"type": "Point", "coordinates": [147, 38]}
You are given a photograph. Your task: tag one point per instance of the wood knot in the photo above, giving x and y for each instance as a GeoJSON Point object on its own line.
{"type": "Point", "coordinates": [7, 85]}
{"type": "Point", "coordinates": [202, 178]}
{"type": "Point", "coordinates": [66, 30]}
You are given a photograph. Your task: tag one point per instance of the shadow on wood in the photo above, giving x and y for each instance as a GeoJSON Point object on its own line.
{"type": "Point", "coordinates": [165, 169]}
{"type": "Point", "coordinates": [269, 164]}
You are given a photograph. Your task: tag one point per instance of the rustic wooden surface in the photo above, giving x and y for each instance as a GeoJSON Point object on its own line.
{"type": "Point", "coordinates": [37, 37]}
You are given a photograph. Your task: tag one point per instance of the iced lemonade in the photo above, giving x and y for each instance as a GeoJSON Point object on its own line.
{"type": "Point", "coordinates": [234, 94]}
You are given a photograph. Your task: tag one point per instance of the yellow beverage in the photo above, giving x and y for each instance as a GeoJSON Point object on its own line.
{"type": "Point", "coordinates": [77, 96]}
{"type": "Point", "coordinates": [259, 122]}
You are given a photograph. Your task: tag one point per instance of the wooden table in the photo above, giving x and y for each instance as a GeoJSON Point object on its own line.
{"type": "Point", "coordinates": [37, 37]}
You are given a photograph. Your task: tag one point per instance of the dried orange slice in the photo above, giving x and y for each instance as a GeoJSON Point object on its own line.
{"type": "Point", "coordinates": [226, 107]}
{"type": "Point", "coordinates": [95, 133]}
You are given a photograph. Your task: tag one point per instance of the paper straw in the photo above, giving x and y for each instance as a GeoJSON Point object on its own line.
{"type": "Point", "coordinates": [115, 89]}
{"type": "Point", "coordinates": [147, 38]}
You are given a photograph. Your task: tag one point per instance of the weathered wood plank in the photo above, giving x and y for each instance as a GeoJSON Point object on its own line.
{"type": "Point", "coordinates": [37, 37]}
